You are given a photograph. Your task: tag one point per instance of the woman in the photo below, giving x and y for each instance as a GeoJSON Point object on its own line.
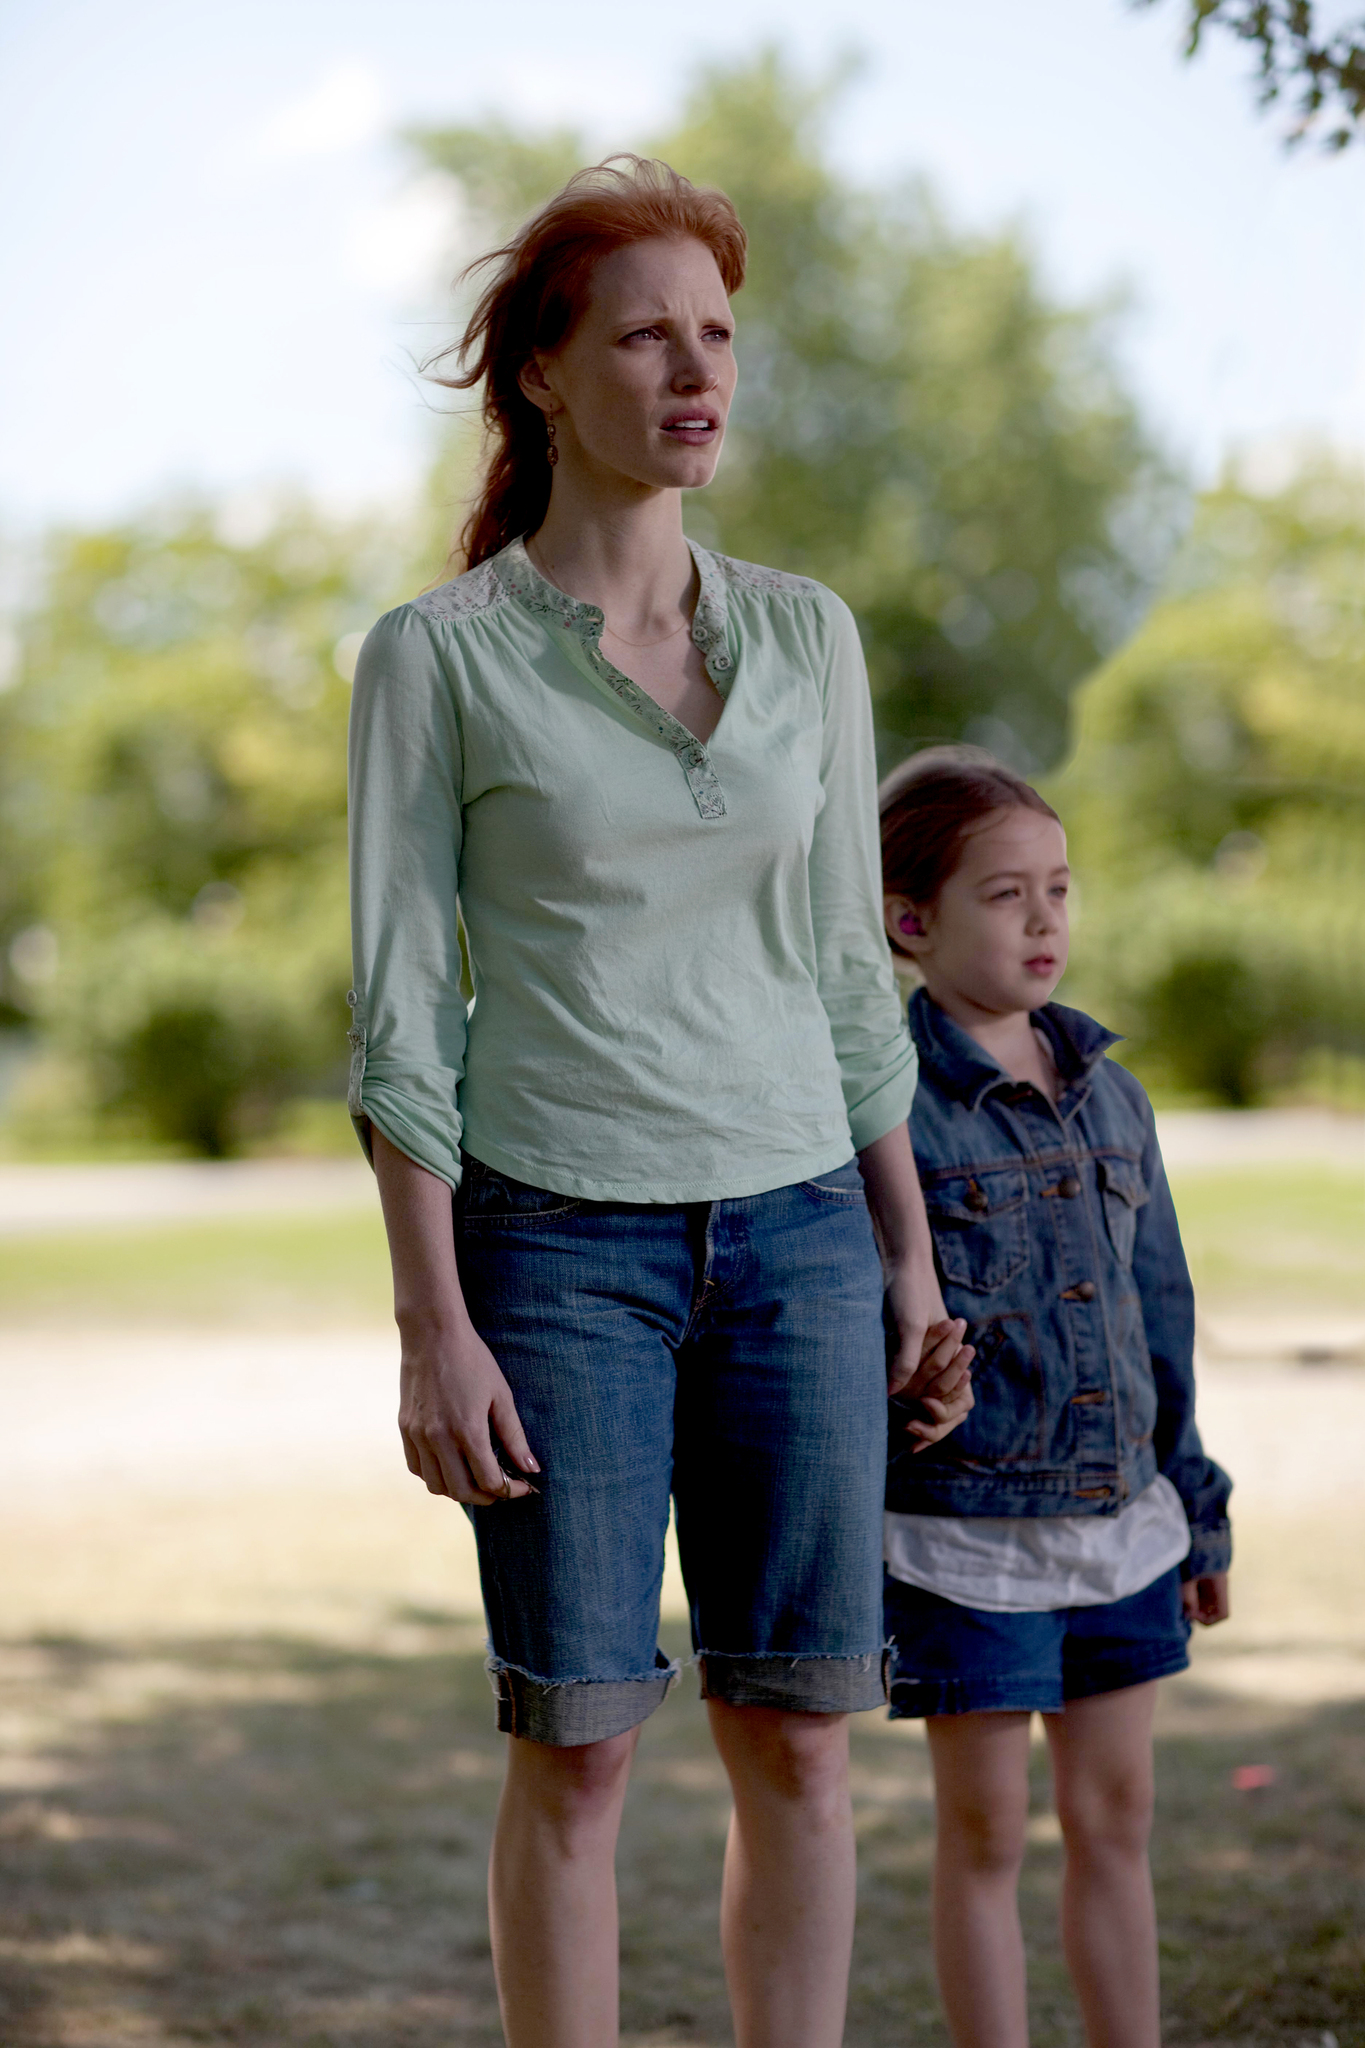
{"type": "Point", "coordinates": [644, 774]}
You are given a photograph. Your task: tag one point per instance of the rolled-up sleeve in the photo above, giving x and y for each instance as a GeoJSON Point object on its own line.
{"type": "Point", "coordinates": [408, 1015]}
{"type": "Point", "coordinates": [872, 1042]}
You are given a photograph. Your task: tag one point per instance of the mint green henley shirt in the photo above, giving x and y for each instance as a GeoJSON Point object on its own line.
{"type": "Point", "coordinates": [682, 987]}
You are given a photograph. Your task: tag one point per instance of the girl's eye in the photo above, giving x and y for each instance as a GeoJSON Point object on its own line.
{"type": "Point", "coordinates": [1003, 895]}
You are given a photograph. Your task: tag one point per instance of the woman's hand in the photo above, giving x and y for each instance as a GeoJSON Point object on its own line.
{"type": "Point", "coordinates": [452, 1399]}
{"type": "Point", "coordinates": [942, 1386]}
{"type": "Point", "coordinates": [928, 1362]}
{"type": "Point", "coordinates": [453, 1396]}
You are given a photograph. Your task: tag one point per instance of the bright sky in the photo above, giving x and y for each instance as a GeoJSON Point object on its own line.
{"type": "Point", "coordinates": [213, 257]}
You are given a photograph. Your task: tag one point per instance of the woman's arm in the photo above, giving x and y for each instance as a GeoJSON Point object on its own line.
{"type": "Point", "coordinates": [450, 1387]}
{"type": "Point", "coordinates": [931, 1362]}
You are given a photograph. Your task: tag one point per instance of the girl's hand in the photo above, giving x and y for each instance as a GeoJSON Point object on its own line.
{"type": "Point", "coordinates": [1205, 1599]}
{"type": "Point", "coordinates": [452, 1397]}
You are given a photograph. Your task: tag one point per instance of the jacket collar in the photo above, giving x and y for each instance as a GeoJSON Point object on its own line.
{"type": "Point", "coordinates": [964, 1069]}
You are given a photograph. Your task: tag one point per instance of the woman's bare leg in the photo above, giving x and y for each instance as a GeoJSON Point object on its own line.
{"type": "Point", "coordinates": [787, 1902]}
{"type": "Point", "coordinates": [981, 1795]}
{"type": "Point", "coordinates": [552, 1892]}
{"type": "Point", "coordinates": [1102, 1766]}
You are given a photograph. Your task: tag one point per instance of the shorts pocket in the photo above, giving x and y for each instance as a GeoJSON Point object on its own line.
{"type": "Point", "coordinates": [486, 1196]}
{"type": "Point", "coordinates": [842, 1184]}
{"type": "Point", "coordinates": [1122, 1193]}
{"type": "Point", "coordinates": [980, 1226]}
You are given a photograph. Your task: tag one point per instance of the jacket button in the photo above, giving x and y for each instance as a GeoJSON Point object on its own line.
{"type": "Point", "coordinates": [976, 1198]}
{"type": "Point", "coordinates": [1084, 1290]}
{"type": "Point", "coordinates": [1070, 1187]}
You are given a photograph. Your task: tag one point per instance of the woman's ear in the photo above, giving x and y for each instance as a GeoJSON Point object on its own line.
{"type": "Point", "coordinates": [534, 384]}
{"type": "Point", "coordinates": [904, 925]}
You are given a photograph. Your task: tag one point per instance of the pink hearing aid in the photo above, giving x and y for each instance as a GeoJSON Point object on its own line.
{"type": "Point", "coordinates": [911, 926]}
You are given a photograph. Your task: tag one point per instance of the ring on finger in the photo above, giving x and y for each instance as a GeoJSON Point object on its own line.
{"type": "Point", "coordinates": [506, 1493]}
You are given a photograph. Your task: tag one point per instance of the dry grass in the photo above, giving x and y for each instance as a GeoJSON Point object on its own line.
{"type": "Point", "coordinates": [247, 1768]}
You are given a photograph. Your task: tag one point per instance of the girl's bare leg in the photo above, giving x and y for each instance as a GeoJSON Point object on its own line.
{"type": "Point", "coordinates": [552, 1892]}
{"type": "Point", "coordinates": [981, 1795]}
{"type": "Point", "coordinates": [787, 1902]}
{"type": "Point", "coordinates": [1102, 1766]}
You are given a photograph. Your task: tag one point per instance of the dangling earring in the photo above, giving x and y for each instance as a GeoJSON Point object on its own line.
{"type": "Point", "coordinates": [551, 452]}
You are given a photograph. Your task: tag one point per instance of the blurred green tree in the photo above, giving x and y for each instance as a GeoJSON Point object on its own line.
{"type": "Point", "coordinates": [918, 424]}
{"type": "Point", "coordinates": [1216, 799]}
{"type": "Point", "coordinates": [172, 811]}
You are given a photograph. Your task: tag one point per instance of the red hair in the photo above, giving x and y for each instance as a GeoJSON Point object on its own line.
{"type": "Point", "coordinates": [929, 808]}
{"type": "Point", "coordinates": [534, 300]}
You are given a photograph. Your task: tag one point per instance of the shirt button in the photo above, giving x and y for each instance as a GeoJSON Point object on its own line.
{"type": "Point", "coordinates": [1070, 1187]}
{"type": "Point", "coordinates": [1084, 1290]}
{"type": "Point", "coordinates": [722, 661]}
{"type": "Point", "coordinates": [351, 998]}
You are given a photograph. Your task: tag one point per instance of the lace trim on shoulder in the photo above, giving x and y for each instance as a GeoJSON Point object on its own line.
{"type": "Point", "coordinates": [753, 576]}
{"type": "Point", "coordinates": [478, 590]}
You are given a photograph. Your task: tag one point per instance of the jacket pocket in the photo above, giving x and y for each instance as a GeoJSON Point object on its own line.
{"type": "Point", "coordinates": [1122, 1193]}
{"type": "Point", "coordinates": [980, 1226]}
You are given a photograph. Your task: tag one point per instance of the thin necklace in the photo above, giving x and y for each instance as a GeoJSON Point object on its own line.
{"type": "Point", "coordinates": [545, 572]}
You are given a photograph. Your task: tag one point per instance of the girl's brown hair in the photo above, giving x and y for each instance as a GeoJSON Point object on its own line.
{"type": "Point", "coordinates": [533, 301]}
{"type": "Point", "coordinates": [932, 804]}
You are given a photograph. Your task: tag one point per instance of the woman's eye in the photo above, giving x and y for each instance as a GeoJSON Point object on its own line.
{"type": "Point", "coordinates": [643, 334]}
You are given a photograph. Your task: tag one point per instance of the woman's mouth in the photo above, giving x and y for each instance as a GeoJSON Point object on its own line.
{"type": "Point", "coordinates": [693, 429]}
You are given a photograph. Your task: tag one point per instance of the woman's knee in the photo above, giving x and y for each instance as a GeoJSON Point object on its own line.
{"type": "Point", "coordinates": [575, 1787]}
{"type": "Point", "coordinates": [791, 1756]}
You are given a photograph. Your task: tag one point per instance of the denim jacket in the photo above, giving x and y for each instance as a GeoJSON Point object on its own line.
{"type": "Point", "coordinates": [1056, 1237]}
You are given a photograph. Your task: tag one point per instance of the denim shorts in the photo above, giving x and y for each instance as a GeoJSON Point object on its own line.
{"type": "Point", "coordinates": [947, 1659]}
{"type": "Point", "coordinates": [729, 1354]}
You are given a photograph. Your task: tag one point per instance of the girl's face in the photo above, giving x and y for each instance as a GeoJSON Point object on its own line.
{"type": "Point", "coordinates": [997, 938]}
{"type": "Point", "coordinates": [641, 389]}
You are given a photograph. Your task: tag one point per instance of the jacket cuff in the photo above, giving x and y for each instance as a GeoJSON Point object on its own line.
{"type": "Point", "coordinates": [1210, 1551]}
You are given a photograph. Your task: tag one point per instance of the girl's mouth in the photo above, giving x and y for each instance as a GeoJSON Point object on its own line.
{"type": "Point", "coordinates": [694, 429]}
{"type": "Point", "coordinates": [1041, 963]}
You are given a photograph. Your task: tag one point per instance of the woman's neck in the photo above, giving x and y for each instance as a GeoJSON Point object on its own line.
{"type": "Point", "coordinates": [628, 558]}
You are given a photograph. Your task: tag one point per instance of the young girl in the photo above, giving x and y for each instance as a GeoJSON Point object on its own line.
{"type": "Point", "coordinates": [1049, 1556]}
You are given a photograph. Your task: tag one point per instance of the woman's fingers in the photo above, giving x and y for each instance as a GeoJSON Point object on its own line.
{"type": "Point", "coordinates": [510, 1432]}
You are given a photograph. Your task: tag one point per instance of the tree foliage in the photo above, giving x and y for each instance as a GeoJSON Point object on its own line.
{"type": "Point", "coordinates": [1325, 70]}
{"type": "Point", "coordinates": [1216, 800]}
{"type": "Point", "coordinates": [172, 812]}
{"type": "Point", "coordinates": [918, 423]}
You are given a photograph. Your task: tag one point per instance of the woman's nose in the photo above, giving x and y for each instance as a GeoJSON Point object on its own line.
{"type": "Point", "coordinates": [695, 372]}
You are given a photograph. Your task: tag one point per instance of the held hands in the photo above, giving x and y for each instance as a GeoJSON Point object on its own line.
{"type": "Point", "coordinates": [452, 1397]}
{"type": "Point", "coordinates": [930, 1366]}
{"type": "Point", "coordinates": [1205, 1599]}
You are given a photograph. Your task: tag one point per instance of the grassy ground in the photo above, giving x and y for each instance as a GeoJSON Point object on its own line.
{"type": "Point", "coordinates": [1284, 1238]}
{"type": "Point", "coordinates": [264, 1839]}
{"type": "Point", "coordinates": [247, 1771]}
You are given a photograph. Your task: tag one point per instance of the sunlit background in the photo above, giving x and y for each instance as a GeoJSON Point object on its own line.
{"type": "Point", "coordinates": [1053, 364]}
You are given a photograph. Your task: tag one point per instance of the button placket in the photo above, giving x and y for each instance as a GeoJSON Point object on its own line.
{"type": "Point", "coordinates": [585, 622]}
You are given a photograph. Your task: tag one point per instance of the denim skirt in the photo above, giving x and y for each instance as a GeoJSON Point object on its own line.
{"type": "Point", "coordinates": [728, 1355]}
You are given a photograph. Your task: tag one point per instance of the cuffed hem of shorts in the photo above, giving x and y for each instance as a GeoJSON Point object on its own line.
{"type": "Point", "coordinates": [569, 1712]}
{"type": "Point", "coordinates": [915, 1699]}
{"type": "Point", "coordinates": [1164, 1663]}
{"type": "Point", "coordinates": [795, 1684]}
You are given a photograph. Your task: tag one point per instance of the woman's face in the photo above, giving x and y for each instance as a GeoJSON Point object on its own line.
{"type": "Point", "coordinates": [642, 387]}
